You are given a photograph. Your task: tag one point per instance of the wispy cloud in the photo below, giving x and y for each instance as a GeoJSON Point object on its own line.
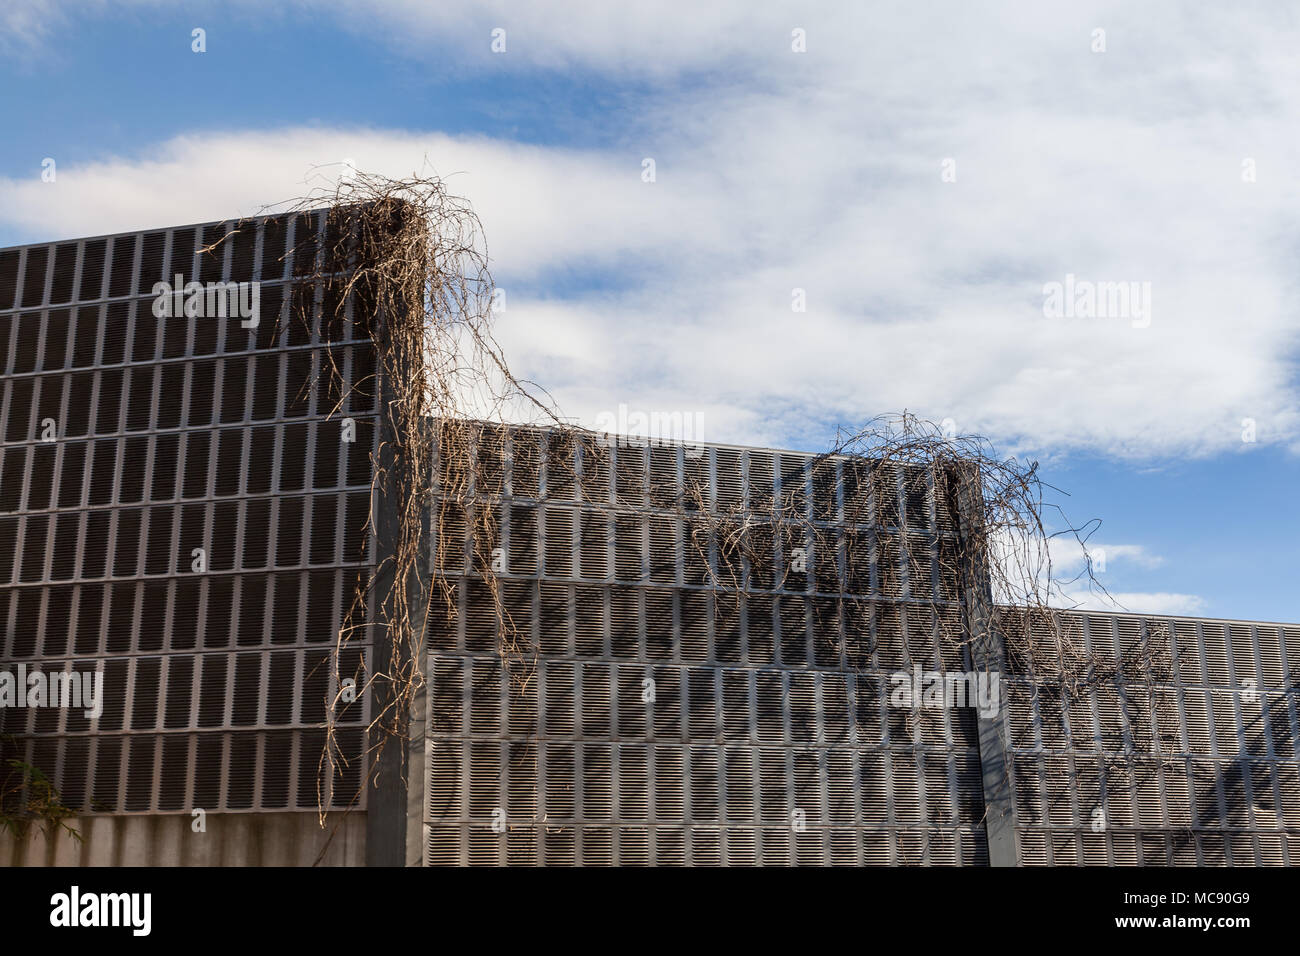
{"type": "Point", "coordinates": [823, 172]}
{"type": "Point", "coordinates": [1069, 557]}
{"type": "Point", "coordinates": [1157, 602]}
{"type": "Point", "coordinates": [1112, 566]}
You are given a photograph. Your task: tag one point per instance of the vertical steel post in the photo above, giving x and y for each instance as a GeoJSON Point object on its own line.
{"type": "Point", "coordinates": [985, 654]}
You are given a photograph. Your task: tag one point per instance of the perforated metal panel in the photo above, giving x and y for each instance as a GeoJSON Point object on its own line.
{"type": "Point", "coordinates": [1179, 749]}
{"type": "Point", "coordinates": [769, 738]}
{"type": "Point", "coordinates": [132, 442]}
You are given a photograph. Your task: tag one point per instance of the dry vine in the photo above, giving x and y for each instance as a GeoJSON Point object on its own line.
{"type": "Point", "coordinates": [988, 526]}
{"type": "Point", "coordinates": [411, 254]}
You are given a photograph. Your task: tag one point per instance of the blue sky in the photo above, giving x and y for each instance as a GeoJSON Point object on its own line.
{"type": "Point", "coordinates": [778, 170]}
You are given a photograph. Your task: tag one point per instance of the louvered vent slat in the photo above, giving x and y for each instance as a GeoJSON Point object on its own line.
{"type": "Point", "coordinates": [1188, 748]}
{"type": "Point", "coordinates": [699, 698]}
{"type": "Point", "coordinates": [208, 520]}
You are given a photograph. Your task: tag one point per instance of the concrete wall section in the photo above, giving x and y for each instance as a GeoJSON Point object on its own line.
{"type": "Point", "coordinates": [230, 839]}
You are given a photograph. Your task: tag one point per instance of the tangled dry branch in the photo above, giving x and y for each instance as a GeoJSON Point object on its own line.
{"type": "Point", "coordinates": [412, 254]}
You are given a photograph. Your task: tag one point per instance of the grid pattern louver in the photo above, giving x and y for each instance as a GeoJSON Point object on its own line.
{"type": "Point", "coordinates": [766, 702]}
{"type": "Point", "coordinates": [171, 435]}
{"type": "Point", "coordinates": [1189, 760]}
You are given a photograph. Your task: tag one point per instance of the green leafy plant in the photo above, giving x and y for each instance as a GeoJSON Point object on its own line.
{"type": "Point", "coordinates": [27, 795]}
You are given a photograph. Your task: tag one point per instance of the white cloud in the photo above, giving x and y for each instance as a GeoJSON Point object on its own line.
{"type": "Point", "coordinates": [543, 208]}
{"type": "Point", "coordinates": [1024, 575]}
{"type": "Point", "coordinates": [25, 25]}
{"type": "Point", "coordinates": [1158, 602]}
{"type": "Point", "coordinates": [821, 171]}
{"type": "Point", "coordinates": [1068, 557]}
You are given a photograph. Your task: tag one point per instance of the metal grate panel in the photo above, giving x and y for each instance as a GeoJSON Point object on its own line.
{"type": "Point", "coordinates": [768, 738]}
{"type": "Point", "coordinates": [1179, 749]}
{"type": "Point", "coordinates": [179, 509]}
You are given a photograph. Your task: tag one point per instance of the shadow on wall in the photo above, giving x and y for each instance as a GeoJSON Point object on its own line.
{"type": "Point", "coordinates": [230, 839]}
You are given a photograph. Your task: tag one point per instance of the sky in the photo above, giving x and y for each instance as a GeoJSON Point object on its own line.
{"type": "Point", "coordinates": [1069, 228]}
